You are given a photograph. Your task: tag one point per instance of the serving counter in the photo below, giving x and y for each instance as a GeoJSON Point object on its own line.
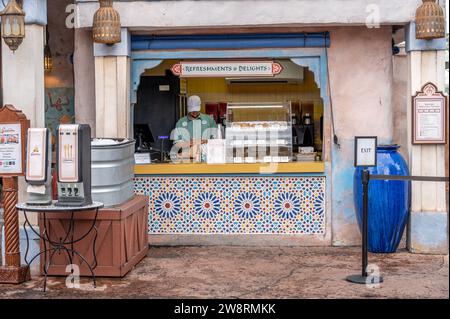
{"type": "Point", "coordinates": [254, 168]}
{"type": "Point", "coordinates": [188, 199]}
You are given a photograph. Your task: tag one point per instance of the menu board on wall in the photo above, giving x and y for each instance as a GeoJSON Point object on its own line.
{"type": "Point", "coordinates": [429, 116]}
{"type": "Point", "coordinates": [10, 148]}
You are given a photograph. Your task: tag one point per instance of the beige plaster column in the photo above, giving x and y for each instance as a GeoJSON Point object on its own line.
{"type": "Point", "coordinates": [23, 75]}
{"type": "Point", "coordinates": [23, 84]}
{"type": "Point", "coordinates": [84, 78]}
{"type": "Point", "coordinates": [112, 88]}
{"type": "Point", "coordinates": [428, 226]}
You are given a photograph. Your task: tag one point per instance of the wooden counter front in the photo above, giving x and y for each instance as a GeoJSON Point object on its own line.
{"type": "Point", "coordinates": [257, 168]}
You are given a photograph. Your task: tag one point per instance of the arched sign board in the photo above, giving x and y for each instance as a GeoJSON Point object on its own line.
{"type": "Point", "coordinates": [429, 120]}
{"type": "Point", "coordinates": [186, 69]}
{"type": "Point", "coordinates": [365, 151]}
{"type": "Point", "coordinates": [13, 132]}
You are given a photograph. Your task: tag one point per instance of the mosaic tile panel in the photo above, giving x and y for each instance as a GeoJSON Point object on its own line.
{"type": "Point", "coordinates": [234, 205]}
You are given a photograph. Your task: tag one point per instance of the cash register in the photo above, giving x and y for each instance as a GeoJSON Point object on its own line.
{"type": "Point", "coordinates": [144, 137]}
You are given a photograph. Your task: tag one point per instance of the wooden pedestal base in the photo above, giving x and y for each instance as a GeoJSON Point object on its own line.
{"type": "Point", "coordinates": [121, 241]}
{"type": "Point", "coordinates": [13, 272]}
{"type": "Point", "coordinates": [14, 275]}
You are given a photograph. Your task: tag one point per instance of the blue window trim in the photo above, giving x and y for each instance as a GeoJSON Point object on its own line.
{"type": "Point", "coordinates": [313, 58]}
{"type": "Point", "coordinates": [230, 41]}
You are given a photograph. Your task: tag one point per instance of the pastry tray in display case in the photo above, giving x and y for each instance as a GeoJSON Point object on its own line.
{"type": "Point", "coordinates": [259, 133]}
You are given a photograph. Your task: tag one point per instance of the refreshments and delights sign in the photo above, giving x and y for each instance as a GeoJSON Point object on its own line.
{"type": "Point", "coordinates": [226, 68]}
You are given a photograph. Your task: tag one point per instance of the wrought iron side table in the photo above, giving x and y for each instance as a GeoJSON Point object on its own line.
{"type": "Point", "coordinates": [62, 243]}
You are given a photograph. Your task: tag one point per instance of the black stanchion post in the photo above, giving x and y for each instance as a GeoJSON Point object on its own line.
{"type": "Point", "coordinates": [362, 279]}
{"type": "Point", "coordinates": [365, 185]}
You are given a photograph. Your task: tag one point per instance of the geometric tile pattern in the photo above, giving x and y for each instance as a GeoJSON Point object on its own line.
{"type": "Point", "coordinates": [234, 204]}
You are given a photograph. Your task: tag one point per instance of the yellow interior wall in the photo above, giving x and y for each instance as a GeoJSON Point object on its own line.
{"type": "Point", "coordinates": [217, 90]}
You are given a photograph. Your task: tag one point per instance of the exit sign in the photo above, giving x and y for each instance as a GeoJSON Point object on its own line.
{"type": "Point", "coordinates": [365, 151]}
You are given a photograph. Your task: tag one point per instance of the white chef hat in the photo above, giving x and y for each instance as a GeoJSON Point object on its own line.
{"type": "Point", "coordinates": [194, 103]}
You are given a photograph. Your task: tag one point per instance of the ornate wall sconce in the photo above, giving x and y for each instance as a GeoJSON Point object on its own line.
{"type": "Point", "coordinates": [13, 24]}
{"type": "Point", "coordinates": [48, 58]}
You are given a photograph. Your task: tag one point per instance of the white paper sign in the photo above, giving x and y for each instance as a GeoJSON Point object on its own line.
{"type": "Point", "coordinates": [36, 189]}
{"type": "Point", "coordinates": [142, 158]}
{"type": "Point", "coordinates": [365, 151]}
{"type": "Point", "coordinates": [10, 149]}
{"type": "Point", "coordinates": [215, 150]}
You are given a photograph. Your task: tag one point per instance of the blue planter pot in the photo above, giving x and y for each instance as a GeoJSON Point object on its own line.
{"type": "Point", "coordinates": [389, 201]}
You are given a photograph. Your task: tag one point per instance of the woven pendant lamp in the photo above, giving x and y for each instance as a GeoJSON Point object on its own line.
{"type": "Point", "coordinates": [106, 27]}
{"type": "Point", "coordinates": [430, 21]}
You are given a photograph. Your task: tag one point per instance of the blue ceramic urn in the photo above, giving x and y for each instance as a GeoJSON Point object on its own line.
{"type": "Point", "coordinates": [389, 201]}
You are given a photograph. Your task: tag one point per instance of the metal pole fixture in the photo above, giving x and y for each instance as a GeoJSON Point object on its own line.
{"type": "Point", "coordinates": [364, 278]}
{"type": "Point", "coordinates": [365, 183]}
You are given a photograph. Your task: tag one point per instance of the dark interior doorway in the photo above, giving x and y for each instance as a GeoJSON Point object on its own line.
{"type": "Point", "coordinates": [158, 105]}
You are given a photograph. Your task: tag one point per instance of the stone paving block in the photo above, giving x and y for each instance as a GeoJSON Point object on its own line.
{"type": "Point", "coordinates": [256, 272]}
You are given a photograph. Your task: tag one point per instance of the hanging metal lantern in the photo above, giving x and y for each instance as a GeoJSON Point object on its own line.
{"type": "Point", "coordinates": [13, 25]}
{"type": "Point", "coordinates": [106, 26]}
{"type": "Point", "coordinates": [48, 58]}
{"type": "Point", "coordinates": [430, 21]}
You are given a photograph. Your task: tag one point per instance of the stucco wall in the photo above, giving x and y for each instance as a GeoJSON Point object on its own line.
{"type": "Point", "coordinates": [210, 13]}
{"type": "Point", "coordinates": [59, 88]}
{"type": "Point", "coordinates": [84, 78]}
{"type": "Point", "coordinates": [61, 43]}
{"type": "Point", "coordinates": [360, 63]}
{"type": "Point", "coordinates": [400, 82]}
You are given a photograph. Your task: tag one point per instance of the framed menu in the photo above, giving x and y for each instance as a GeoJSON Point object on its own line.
{"type": "Point", "coordinates": [429, 118]}
{"type": "Point", "coordinates": [13, 131]}
{"type": "Point", "coordinates": [11, 148]}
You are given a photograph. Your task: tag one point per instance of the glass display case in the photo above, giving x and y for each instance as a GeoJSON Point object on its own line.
{"type": "Point", "coordinates": [258, 133]}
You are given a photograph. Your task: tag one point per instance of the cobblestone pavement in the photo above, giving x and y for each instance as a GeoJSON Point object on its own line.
{"type": "Point", "coordinates": [266, 272]}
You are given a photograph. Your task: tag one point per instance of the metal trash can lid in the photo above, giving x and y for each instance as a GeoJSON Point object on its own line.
{"type": "Point", "coordinates": [108, 142]}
